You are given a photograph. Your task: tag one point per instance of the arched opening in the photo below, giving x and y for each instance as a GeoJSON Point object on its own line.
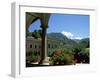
{"type": "Point", "coordinates": [36, 25]}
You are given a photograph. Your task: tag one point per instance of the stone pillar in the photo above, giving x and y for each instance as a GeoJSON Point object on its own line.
{"type": "Point", "coordinates": [44, 59]}
{"type": "Point", "coordinates": [44, 25]}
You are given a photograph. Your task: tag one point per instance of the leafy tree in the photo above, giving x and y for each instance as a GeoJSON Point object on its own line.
{"type": "Point", "coordinates": [37, 34]}
{"type": "Point", "coordinates": [84, 54]}
{"type": "Point", "coordinates": [28, 34]}
{"type": "Point", "coordinates": [76, 49]}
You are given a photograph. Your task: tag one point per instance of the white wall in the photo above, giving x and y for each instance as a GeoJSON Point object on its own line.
{"type": "Point", "coordinates": [5, 39]}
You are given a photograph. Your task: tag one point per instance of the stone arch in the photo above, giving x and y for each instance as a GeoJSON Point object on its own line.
{"type": "Point", "coordinates": [31, 17]}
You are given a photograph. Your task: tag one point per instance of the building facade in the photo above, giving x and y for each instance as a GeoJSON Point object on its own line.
{"type": "Point", "coordinates": [34, 45]}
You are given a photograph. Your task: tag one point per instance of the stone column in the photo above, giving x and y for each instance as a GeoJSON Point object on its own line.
{"type": "Point", "coordinates": [44, 25]}
{"type": "Point", "coordinates": [44, 59]}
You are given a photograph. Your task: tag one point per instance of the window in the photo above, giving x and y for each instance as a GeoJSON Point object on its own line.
{"type": "Point", "coordinates": [35, 46]}
{"type": "Point", "coordinates": [30, 45]}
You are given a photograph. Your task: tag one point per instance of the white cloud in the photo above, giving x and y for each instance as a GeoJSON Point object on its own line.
{"type": "Point", "coordinates": [70, 35]}
{"type": "Point", "coordinates": [78, 38]}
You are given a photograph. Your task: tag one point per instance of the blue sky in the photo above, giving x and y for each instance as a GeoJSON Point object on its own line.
{"type": "Point", "coordinates": [71, 25]}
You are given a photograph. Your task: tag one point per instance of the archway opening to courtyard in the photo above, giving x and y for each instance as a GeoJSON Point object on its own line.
{"type": "Point", "coordinates": [36, 39]}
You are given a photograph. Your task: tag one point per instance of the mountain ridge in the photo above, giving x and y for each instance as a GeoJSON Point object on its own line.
{"type": "Point", "coordinates": [61, 37]}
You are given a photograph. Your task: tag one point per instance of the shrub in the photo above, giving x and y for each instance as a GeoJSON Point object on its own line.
{"type": "Point", "coordinates": [35, 56]}
{"type": "Point", "coordinates": [50, 53]}
{"type": "Point", "coordinates": [84, 54]}
{"type": "Point", "coordinates": [61, 57]}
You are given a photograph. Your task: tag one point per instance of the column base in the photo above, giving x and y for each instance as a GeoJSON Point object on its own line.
{"type": "Point", "coordinates": [46, 61]}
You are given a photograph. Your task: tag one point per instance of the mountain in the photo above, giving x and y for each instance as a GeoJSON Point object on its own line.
{"type": "Point", "coordinates": [85, 43]}
{"type": "Point", "coordinates": [76, 40]}
{"type": "Point", "coordinates": [61, 37]}
{"type": "Point", "coordinates": [84, 39]}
